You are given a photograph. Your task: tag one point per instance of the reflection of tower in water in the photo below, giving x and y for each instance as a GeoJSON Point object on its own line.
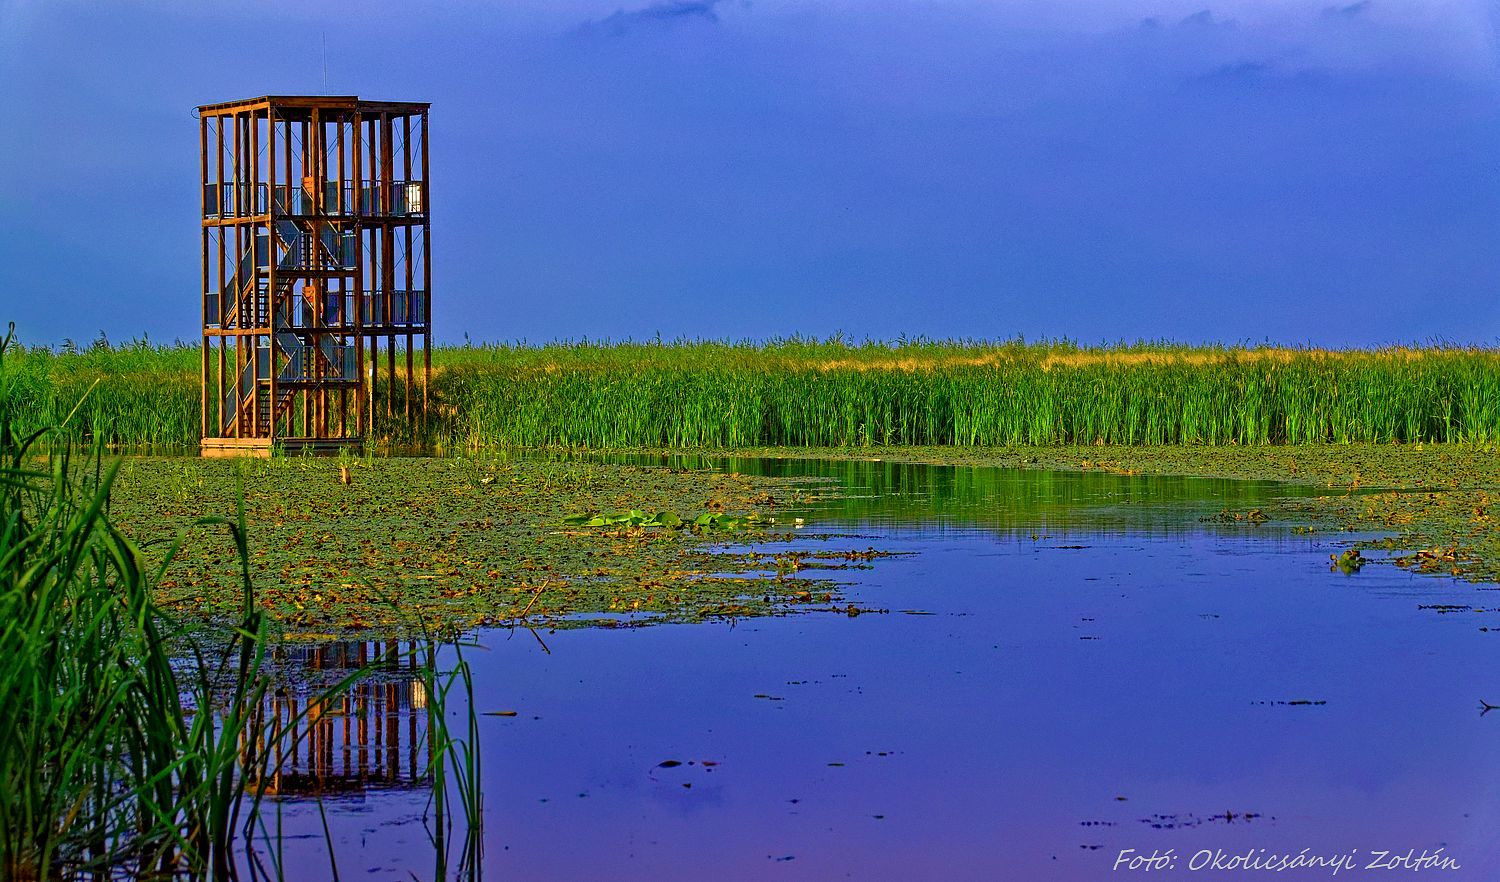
{"type": "Point", "coordinates": [373, 734]}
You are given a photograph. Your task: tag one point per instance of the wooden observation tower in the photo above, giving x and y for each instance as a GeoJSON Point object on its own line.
{"type": "Point", "coordinates": [315, 257]}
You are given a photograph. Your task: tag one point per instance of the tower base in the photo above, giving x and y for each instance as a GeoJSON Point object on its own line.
{"type": "Point", "coordinates": [261, 447]}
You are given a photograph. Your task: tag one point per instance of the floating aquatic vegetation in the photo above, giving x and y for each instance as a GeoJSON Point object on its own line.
{"type": "Point", "coordinates": [461, 542]}
{"type": "Point", "coordinates": [637, 518]}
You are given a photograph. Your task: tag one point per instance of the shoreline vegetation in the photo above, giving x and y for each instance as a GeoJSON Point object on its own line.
{"type": "Point", "coordinates": [137, 746]}
{"type": "Point", "coordinates": [487, 541]}
{"type": "Point", "coordinates": [804, 392]}
{"type": "Point", "coordinates": [1401, 441]}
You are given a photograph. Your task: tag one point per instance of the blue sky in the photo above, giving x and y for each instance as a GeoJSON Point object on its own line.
{"type": "Point", "coordinates": [1299, 171]}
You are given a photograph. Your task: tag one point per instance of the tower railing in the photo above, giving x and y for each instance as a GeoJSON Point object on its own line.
{"type": "Point", "coordinates": [239, 199]}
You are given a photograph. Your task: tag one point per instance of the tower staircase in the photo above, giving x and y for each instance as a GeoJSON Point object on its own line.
{"type": "Point", "coordinates": [304, 339]}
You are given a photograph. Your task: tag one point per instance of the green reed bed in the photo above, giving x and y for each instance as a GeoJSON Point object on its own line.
{"type": "Point", "coordinates": [717, 395]}
{"type": "Point", "coordinates": [807, 392]}
{"type": "Point", "coordinates": [104, 767]}
{"type": "Point", "coordinates": [134, 395]}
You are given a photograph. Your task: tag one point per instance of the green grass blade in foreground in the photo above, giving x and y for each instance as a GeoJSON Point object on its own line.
{"type": "Point", "coordinates": [121, 757]}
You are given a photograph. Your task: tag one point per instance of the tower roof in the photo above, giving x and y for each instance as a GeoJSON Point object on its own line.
{"type": "Point", "coordinates": [330, 102]}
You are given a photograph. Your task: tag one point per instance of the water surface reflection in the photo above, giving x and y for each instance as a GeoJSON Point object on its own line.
{"type": "Point", "coordinates": [1088, 667]}
{"type": "Point", "coordinates": [370, 735]}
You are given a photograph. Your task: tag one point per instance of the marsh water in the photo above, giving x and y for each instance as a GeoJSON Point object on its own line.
{"type": "Point", "coordinates": [1064, 667]}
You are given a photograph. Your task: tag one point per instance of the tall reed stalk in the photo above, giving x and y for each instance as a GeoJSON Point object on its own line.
{"type": "Point", "coordinates": [455, 771]}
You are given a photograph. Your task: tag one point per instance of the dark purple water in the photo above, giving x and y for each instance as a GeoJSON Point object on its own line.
{"type": "Point", "coordinates": [1052, 706]}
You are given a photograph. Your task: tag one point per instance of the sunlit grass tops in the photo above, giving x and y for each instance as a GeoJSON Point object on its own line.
{"type": "Point", "coordinates": [808, 392]}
